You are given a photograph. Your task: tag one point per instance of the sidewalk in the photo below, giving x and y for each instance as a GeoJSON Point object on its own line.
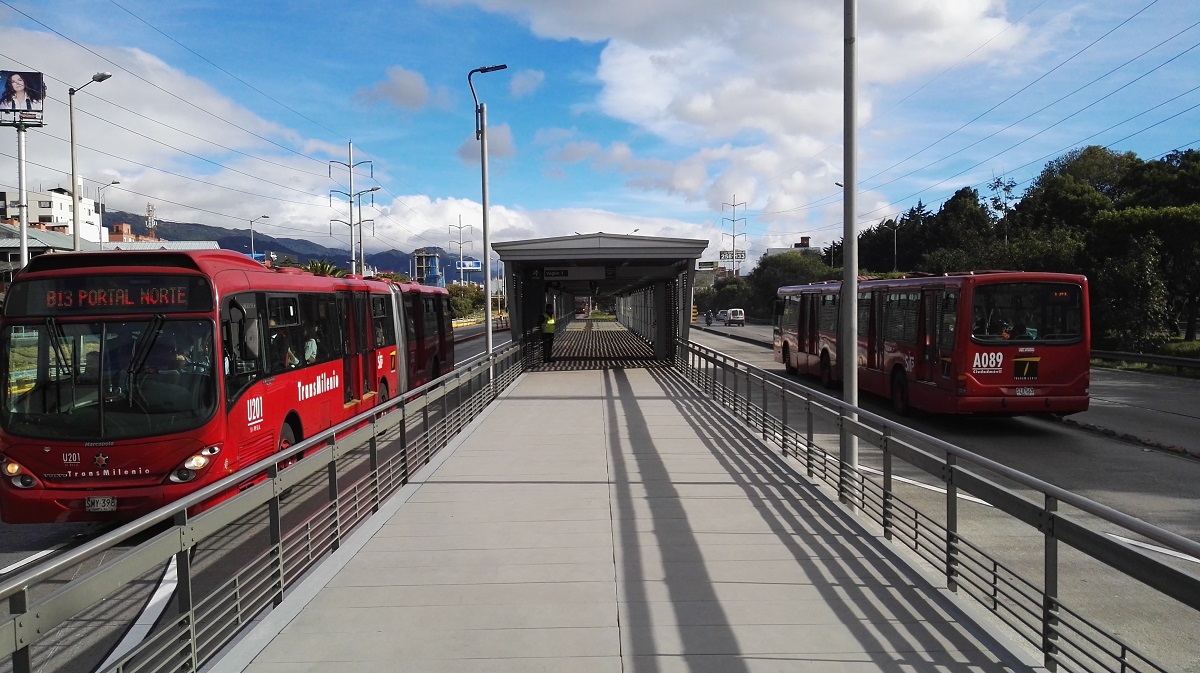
{"type": "Point", "coordinates": [608, 520]}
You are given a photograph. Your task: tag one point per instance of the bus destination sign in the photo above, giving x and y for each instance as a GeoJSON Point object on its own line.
{"type": "Point", "coordinates": [74, 295]}
{"type": "Point", "coordinates": [166, 297]}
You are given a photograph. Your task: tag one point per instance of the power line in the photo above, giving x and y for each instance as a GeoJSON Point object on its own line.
{"type": "Point", "coordinates": [152, 84]}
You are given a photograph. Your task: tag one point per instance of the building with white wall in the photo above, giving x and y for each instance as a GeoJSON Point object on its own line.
{"type": "Point", "coordinates": [52, 211]}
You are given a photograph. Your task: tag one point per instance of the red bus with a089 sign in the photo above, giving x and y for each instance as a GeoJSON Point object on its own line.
{"type": "Point", "coordinates": [983, 342]}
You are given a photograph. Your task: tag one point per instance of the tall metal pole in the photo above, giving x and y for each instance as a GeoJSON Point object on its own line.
{"type": "Point", "coordinates": [362, 256]}
{"type": "Point", "coordinates": [350, 165]}
{"type": "Point", "coordinates": [98, 77]}
{"type": "Point", "coordinates": [848, 342]}
{"type": "Point", "coordinates": [353, 259]}
{"type": "Point", "coordinates": [260, 217]}
{"type": "Point", "coordinates": [487, 246]}
{"type": "Point", "coordinates": [100, 204]}
{"type": "Point", "coordinates": [737, 265]}
{"type": "Point", "coordinates": [22, 195]}
{"type": "Point", "coordinates": [481, 134]}
{"type": "Point", "coordinates": [74, 174]}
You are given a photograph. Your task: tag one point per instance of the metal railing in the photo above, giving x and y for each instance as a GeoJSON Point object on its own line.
{"type": "Point", "coordinates": [1028, 597]}
{"type": "Point", "coordinates": [238, 559]}
{"type": "Point", "coordinates": [1178, 363]}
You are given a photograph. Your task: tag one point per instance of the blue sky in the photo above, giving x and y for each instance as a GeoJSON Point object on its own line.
{"type": "Point", "coordinates": [613, 116]}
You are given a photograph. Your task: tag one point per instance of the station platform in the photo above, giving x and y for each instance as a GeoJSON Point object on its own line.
{"type": "Point", "coordinates": [605, 519]}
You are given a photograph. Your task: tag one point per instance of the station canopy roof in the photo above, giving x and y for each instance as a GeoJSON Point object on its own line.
{"type": "Point", "coordinates": [600, 263]}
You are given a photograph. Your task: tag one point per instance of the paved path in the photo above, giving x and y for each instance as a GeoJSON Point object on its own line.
{"type": "Point", "coordinates": [614, 520]}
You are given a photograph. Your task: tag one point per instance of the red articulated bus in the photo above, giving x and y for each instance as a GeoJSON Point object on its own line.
{"type": "Point", "coordinates": [131, 379]}
{"type": "Point", "coordinates": [982, 342]}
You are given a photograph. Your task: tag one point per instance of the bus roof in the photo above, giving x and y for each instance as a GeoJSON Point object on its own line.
{"type": "Point", "coordinates": [208, 262]}
{"type": "Point", "coordinates": [957, 278]}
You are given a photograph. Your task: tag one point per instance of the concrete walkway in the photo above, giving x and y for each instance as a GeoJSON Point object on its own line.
{"type": "Point", "coordinates": [608, 520]}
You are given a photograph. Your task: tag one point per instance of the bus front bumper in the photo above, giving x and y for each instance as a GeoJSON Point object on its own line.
{"type": "Point", "coordinates": [63, 505]}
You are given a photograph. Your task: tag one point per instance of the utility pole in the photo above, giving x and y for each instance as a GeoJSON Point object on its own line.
{"type": "Point", "coordinates": [737, 264]}
{"type": "Point", "coordinates": [460, 226]}
{"type": "Point", "coordinates": [355, 261]}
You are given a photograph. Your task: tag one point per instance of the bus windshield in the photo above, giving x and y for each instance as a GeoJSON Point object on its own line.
{"type": "Point", "coordinates": [106, 380]}
{"type": "Point", "coordinates": [1028, 311]}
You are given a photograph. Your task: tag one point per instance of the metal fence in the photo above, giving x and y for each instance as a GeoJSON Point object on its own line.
{"type": "Point", "coordinates": [1053, 540]}
{"type": "Point", "coordinates": [234, 561]}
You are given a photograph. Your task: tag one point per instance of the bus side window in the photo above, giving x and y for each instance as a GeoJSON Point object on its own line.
{"type": "Point", "coordinates": [241, 344]}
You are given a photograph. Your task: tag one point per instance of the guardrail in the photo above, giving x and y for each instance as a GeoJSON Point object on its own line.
{"type": "Point", "coordinates": [1178, 363]}
{"type": "Point", "coordinates": [238, 559]}
{"type": "Point", "coordinates": [1021, 578]}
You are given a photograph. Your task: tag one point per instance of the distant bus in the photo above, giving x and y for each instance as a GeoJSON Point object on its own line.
{"type": "Point", "coordinates": [965, 343]}
{"type": "Point", "coordinates": [131, 379]}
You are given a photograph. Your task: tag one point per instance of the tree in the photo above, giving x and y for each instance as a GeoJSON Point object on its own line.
{"type": "Point", "coordinates": [465, 299]}
{"type": "Point", "coordinates": [1097, 167]}
{"type": "Point", "coordinates": [775, 271]}
{"type": "Point", "coordinates": [394, 276]}
{"type": "Point", "coordinates": [1173, 180]}
{"type": "Point", "coordinates": [322, 267]}
{"type": "Point", "coordinates": [733, 292]}
{"type": "Point", "coordinates": [1129, 299]}
{"type": "Point", "coordinates": [1175, 262]}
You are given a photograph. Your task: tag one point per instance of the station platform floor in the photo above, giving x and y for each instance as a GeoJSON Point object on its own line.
{"type": "Point", "coordinates": [605, 518]}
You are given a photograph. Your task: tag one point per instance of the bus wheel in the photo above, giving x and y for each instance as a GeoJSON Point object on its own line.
{"type": "Point", "coordinates": [787, 360]}
{"type": "Point", "coordinates": [287, 437]}
{"type": "Point", "coordinates": [383, 394]}
{"type": "Point", "coordinates": [900, 394]}
{"type": "Point", "coordinates": [437, 370]}
{"type": "Point", "coordinates": [826, 371]}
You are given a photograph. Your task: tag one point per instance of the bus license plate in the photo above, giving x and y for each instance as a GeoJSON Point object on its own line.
{"type": "Point", "coordinates": [103, 503]}
{"type": "Point", "coordinates": [1025, 392]}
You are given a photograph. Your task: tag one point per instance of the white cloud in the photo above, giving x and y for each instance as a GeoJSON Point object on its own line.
{"type": "Point", "coordinates": [403, 88]}
{"type": "Point", "coordinates": [500, 145]}
{"type": "Point", "coordinates": [526, 83]}
{"type": "Point", "coordinates": [761, 78]}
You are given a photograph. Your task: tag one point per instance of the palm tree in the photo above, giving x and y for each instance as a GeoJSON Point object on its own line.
{"type": "Point", "coordinates": [322, 267]}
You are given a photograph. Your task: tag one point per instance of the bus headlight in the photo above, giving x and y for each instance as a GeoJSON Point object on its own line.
{"type": "Point", "coordinates": [18, 475]}
{"type": "Point", "coordinates": [189, 468]}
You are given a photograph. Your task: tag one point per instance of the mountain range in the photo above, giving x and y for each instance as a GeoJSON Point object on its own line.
{"type": "Point", "coordinates": [298, 250]}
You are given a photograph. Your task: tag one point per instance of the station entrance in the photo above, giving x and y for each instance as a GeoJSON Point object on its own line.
{"type": "Point", "coordinates": [645, 283]}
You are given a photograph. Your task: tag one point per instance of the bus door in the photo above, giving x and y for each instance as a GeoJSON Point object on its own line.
{"type": "Point", "coordinates": [366, 358]}
{"type": "Point", "coordinates": [409, 307]}
{"type": "Point", "coordinates": [927, 365]}
{"type": "Point", "coordinates": [874, 330]}
{"type": "Point", "coordinates": [943, 338]}
{"type": "Point", "coordinates": [809, 342]}
{"type": "Point", "coordinates": [351, 351]}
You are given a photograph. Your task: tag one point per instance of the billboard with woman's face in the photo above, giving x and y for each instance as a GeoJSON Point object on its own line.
{"type": "Point", "coordinates": [21, 98]}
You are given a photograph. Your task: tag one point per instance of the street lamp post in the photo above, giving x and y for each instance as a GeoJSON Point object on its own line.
{"type": "Point", "coordinates": [481, 136]}
{"type": "Point", "coordinates": [100, 200]}
{"type": "Point", "coordinates": [260, 217]}
{"type": "Point", "coordinates": [98, 77]}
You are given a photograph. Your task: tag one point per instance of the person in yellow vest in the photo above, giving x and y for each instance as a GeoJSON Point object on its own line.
{"type": "Point", "coordinates": [548, 334]}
